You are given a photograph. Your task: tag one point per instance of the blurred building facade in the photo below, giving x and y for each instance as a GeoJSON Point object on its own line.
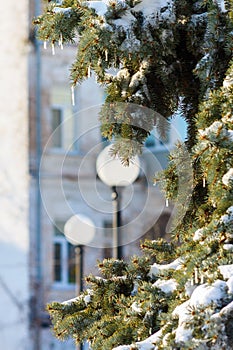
{"type": "Point", "coordinates": [53, 176]}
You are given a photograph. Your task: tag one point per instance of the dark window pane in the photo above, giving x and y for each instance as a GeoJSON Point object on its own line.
{"type": "Point", "coordinates": [57, 262]}
{"type": "Point", "coordinates": [56, 122]}
{"type": "Point", "coordinates": [71, 263]}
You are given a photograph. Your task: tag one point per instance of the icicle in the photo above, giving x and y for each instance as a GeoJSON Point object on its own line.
{"type": "Point", "coordinates": [72, 95]}
{"type": "Point", "coordinates": [89, 72]}
{"type": "Point", "coordinates": [204, 181]}
{"type": "Point", "coordinates": [60, 43]}
{"type": "Point", "coordinates": [106, 55]}
{"type": "Point", "coordinates": [53, 49]}
{"type": "Point", "coordinates": [196, 275]}
{"type": "Point", "coordinates": [202, 279]}
{"type": "Point", "coordinates": [99, 62]}
{"type": "Point", "coordinates": [167, 204]}
{"type": "Point", "coordinates": [192, 282]}
{"type": "Point", "coordinates": [45, 45]}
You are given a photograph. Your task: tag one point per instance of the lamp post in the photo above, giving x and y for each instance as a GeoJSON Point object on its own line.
{"type": "Point", "coordinates": [113, 173]}
{"type": "Point", "coordinates": [79, 231]}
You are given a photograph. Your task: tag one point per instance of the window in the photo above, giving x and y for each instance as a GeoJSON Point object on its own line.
{"type": "Point", "coordinates": [57, 127]}
{"type": "Point", "coordinates": [64, 259]}
{"type": "Point", "coordinates": [63, 120]}
{"type": "Point", "coordinates": [63, 129]}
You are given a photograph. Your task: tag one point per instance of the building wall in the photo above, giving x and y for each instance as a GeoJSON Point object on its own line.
{"type": "Point", "coordinates": [14, 232]}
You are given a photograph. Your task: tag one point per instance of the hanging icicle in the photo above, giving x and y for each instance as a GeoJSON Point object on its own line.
{"type": "Point", "coordinates": [167, 203]}
{"type": "Point", "coordinates": [99, 62]}
{"type": "Point", "coordinates": [72, 95]}
{"type": "Point", "coordinates": [53, 49]}
{"type": "Point", "coordinates": [45, 45]}
{"type": "Point", "coordinates": [196, 275]}
{"type": "Point", "coordinates": [60, 42]}
{"type": "Point", "coordinates": [106, 55]}
{"type": "Point", "coordinates": [89, 71]}
{"type": "Point", "coordinates": [202, 279]}
{"type": "Point", "coordinates": [204, 183]}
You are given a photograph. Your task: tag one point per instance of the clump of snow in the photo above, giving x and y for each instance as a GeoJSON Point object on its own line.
{"type": "Point", "coordinates": [70, 301]}
{"type": "Point", "coordinates": [228, 82]}
{"type": "Point", "coordinates": [230, 134]}
{"type": "Point", "coordinates": [150, 9]}
{"type": "Point", "coordinates": [181, 311]}
{"type": "Point", "coordinates": [183, 335]}
{"type": "Point", "coordinates": [123, 74]}
{"type": "Point", "coordinates": [228, 118]}
{"type": "Point", "coordinates": [227, 309]}
{"type": "Point", "coordinates": [230, 285]}
{"type": "Point", "coordinates": [87, 299]}
{"type": "Point", "coordinates": [139, 76]}
{"type": "Point", "coordinates": [166, 286]}
{"type": "Point", "coordinates": [147, 344]}
{"type": "Point", "coordinates": [221, 4]}
{"type": "Point", "coordinates": [206, 294]}
{"type": "Point", "coordinates": [99, 6]}
{"type": "Point", "coordinates": [136, 308]}
{"type": "Point", "coordinates": [189, 288]}
{"type": "Point", "coordinates": [62, 10]}
{"type": "Point", "coordinates": [125, 21]}
{"type": "Point", "coordinates": [154, 337]}
{"type": "Point", "coordinates": [228, 247]}
{"type": "Point", "coordinates": [226, 271]}
{"type": "Point", "coordinates": [131, 43]}
{"type": "Point", "coordinates": [227, 179]}
{"type": "Point", "coordinates": [214, 132]}
{"type": "Point", "coordinates": [203, 295]}
{"type": "Point", "coordinates": [198, 234]}
{"type": "Point", "coordinates": [156, 269]}
{"type": "Point", "coordinates": [228, 217]}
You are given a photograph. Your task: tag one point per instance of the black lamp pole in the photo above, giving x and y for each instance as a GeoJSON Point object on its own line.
{"type": "Point", "coordinates": [116, 224]}
{"type": "Point", "coordinates": [79, 253]}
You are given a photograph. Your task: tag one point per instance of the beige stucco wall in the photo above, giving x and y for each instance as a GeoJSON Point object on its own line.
{"type": "Point", "coordinates": [14, 237]}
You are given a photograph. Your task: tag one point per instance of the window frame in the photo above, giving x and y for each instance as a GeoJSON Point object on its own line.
{"type": "Point", "coordinates": [64, 263]}
{"type": "Point", "coordinates": [62, 109]}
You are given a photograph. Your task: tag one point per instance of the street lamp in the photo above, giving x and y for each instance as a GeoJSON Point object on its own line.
{"type": "Point", "coordinates": [79, 231]}
{"type": "Point", "coordinates": [113, 173]}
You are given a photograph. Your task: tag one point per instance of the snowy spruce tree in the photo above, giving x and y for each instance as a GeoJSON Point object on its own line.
{"type": "Point", "coordinates": [168, 56]}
